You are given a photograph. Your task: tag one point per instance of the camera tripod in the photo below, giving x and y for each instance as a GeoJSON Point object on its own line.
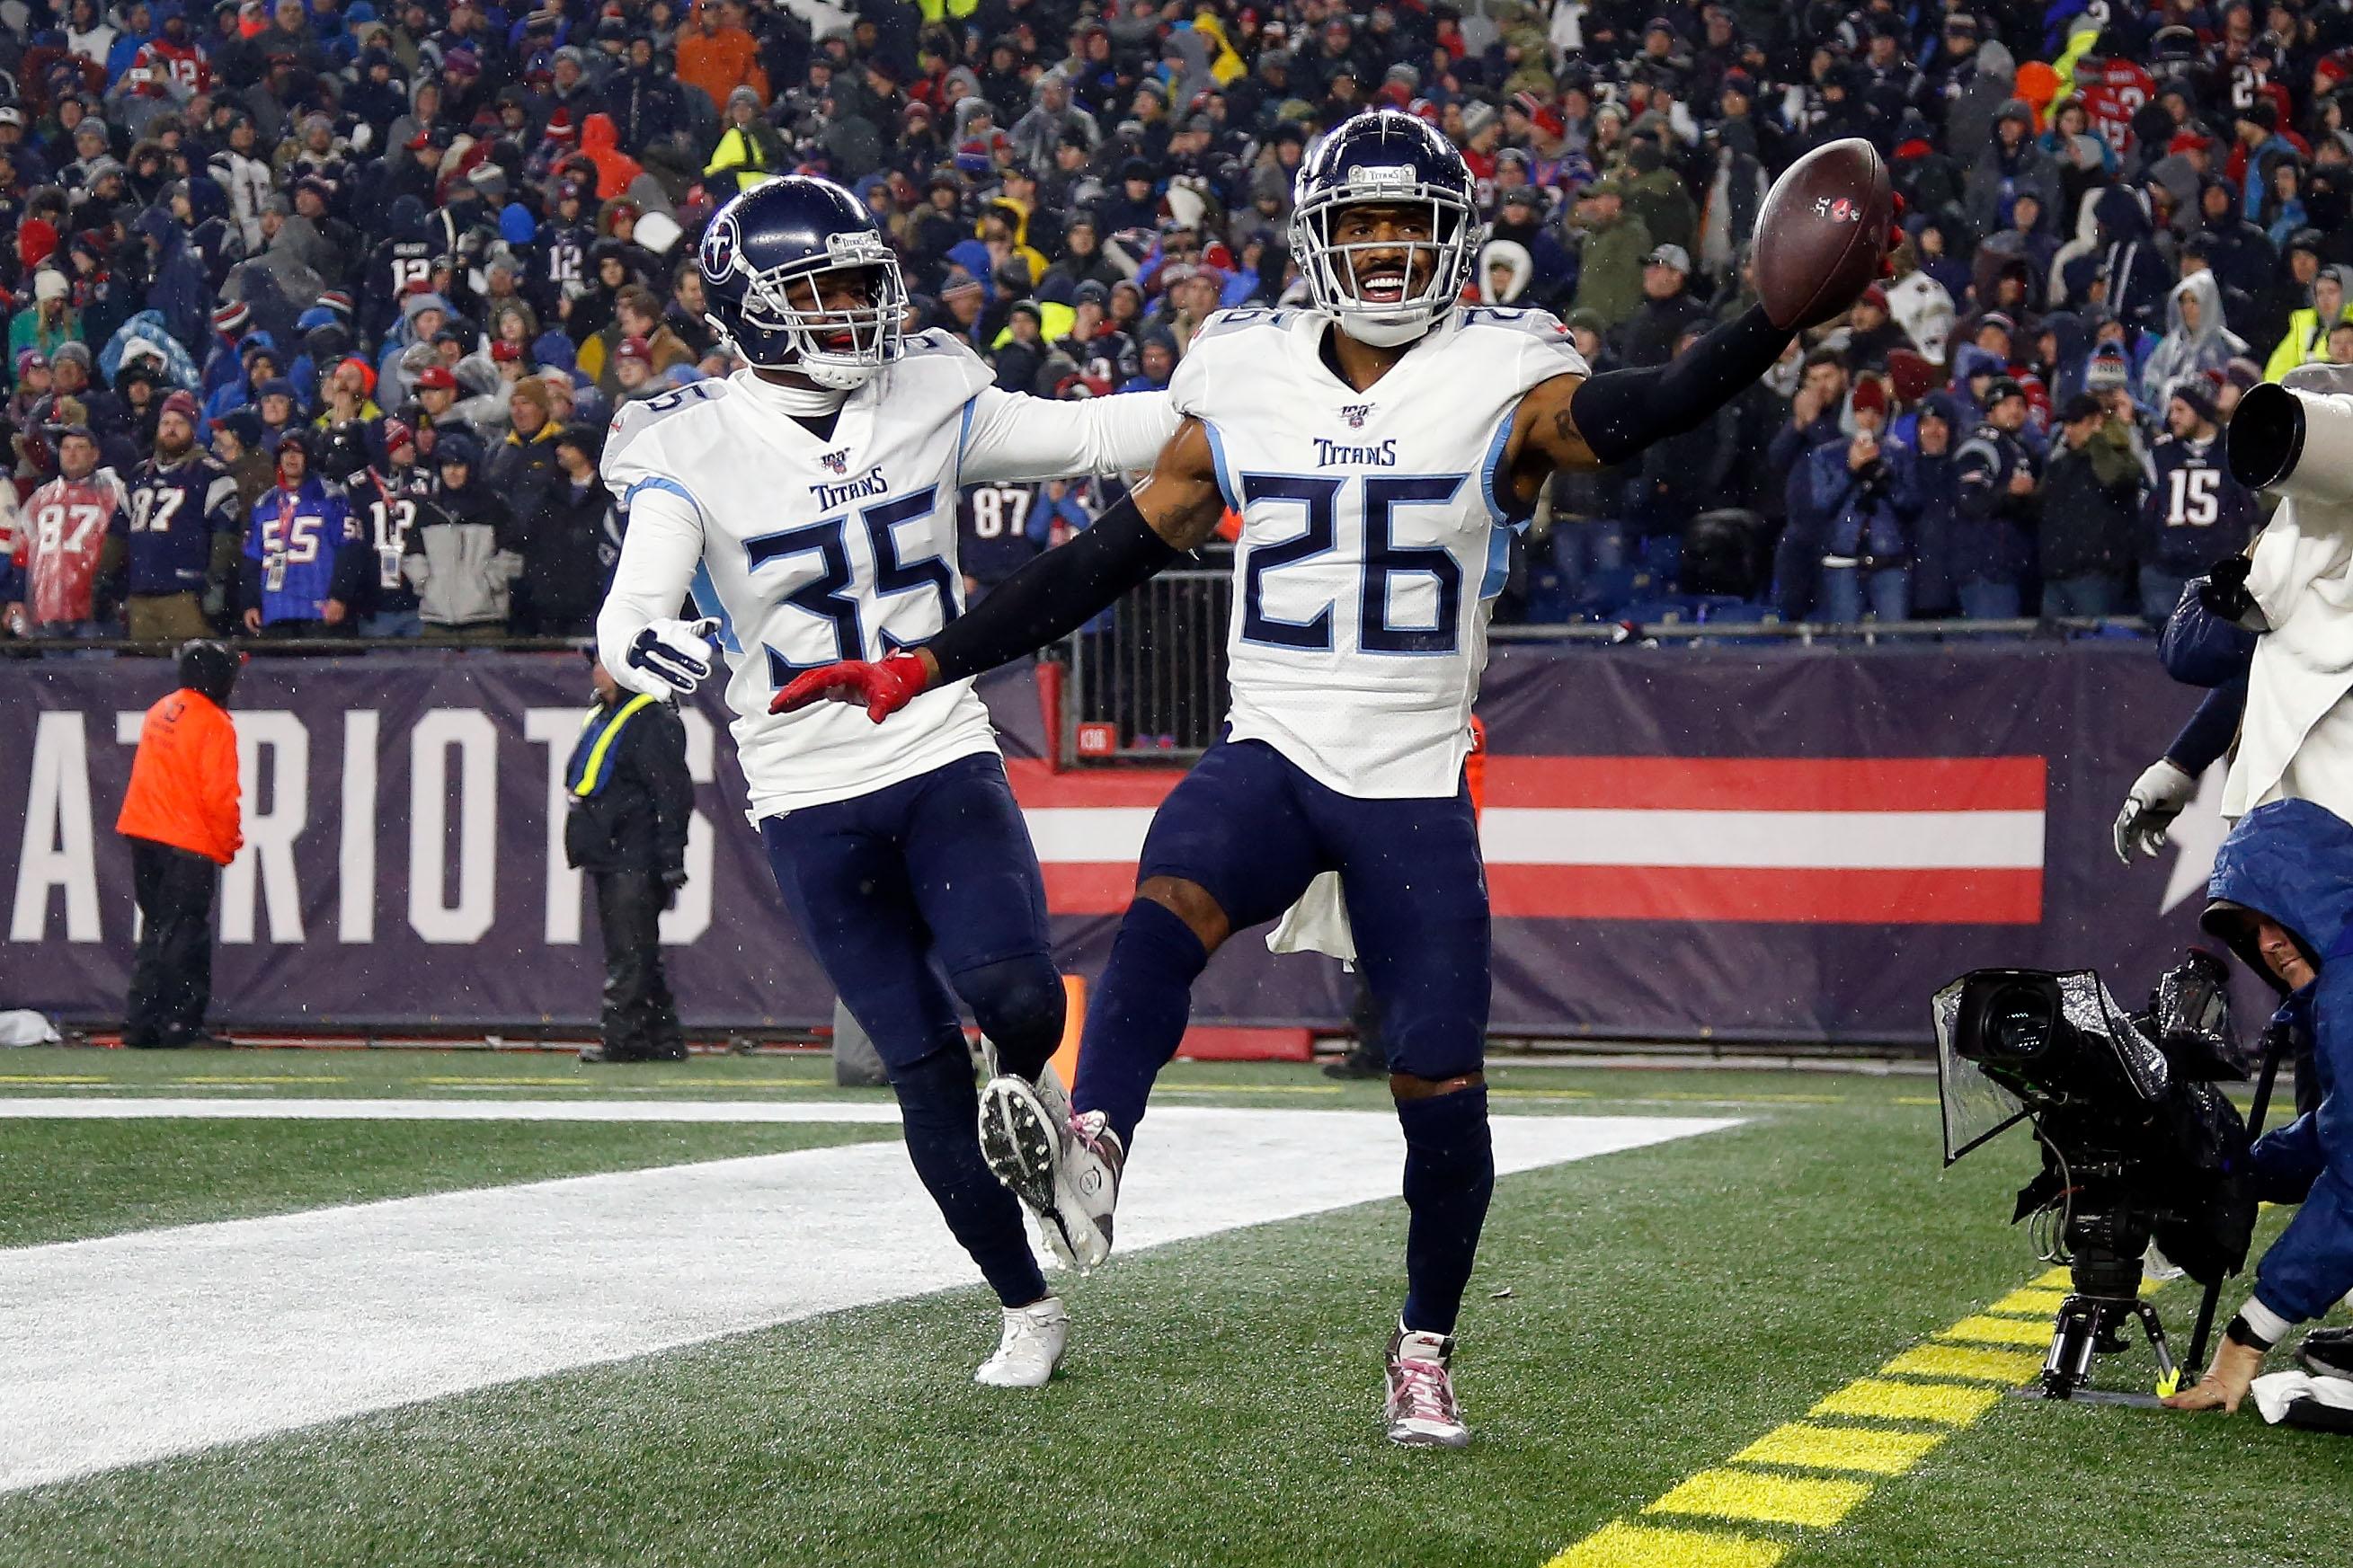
{"type": "Point", "coordinates": [2108, 1236]}
{"type": "Point", "coordinates": [2087, 1325]}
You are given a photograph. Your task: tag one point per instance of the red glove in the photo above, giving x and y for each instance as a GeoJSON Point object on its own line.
{"type": "Point", "coordinates": [880, 688]}
{"type": "Point", "coordinates": [1896, 235]}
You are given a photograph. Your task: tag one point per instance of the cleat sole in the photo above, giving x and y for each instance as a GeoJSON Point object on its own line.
{"type": "Point", "coordinates": [1019, 1148]}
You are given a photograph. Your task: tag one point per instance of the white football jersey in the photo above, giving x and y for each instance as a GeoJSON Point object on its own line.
{"type": "Point", "coordinates": [813, 551]}
{"type": "Point", "coordinates": [1374, 533]}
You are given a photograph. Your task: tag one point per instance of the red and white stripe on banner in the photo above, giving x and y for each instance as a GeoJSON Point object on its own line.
{"type": "Point", "coordinates": [1895, 840]}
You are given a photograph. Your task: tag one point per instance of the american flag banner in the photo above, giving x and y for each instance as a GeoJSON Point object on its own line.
{"type": "Point", "coordinates": [1905, 840]}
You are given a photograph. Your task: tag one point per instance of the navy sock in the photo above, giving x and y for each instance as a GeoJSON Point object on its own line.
{"type": "Point", "coordinates": [1450, 1174]}
{"type": "Point", "coordinates": [1137, 1020]}
{"type": "Point", "coordinates": [1018, 1004]}
{"type": "Point", "coordinates": [940, 1109]}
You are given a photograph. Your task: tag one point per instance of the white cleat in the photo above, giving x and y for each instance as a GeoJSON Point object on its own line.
{"type": "Point", "coordinates": [1021, 1126]}
{"type": "Point", "coordinates": [1032, 1348]}
{"type": "Point", "coordinates": [1086, 1185]}
{"type": "Point", "coordinates": [1421, 1412]}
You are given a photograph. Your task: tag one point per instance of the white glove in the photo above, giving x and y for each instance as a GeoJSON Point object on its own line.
{"type": "Point", "coordinates": [2156, 797]}
{"type": "Point", "coordinates": [669, 658]}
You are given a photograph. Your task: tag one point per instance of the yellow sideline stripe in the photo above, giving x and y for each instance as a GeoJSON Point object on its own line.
{"type": "Point", "coordinates": [1967, 1361]}
{"type": "Point", "coordinates": [1774, 1499]}
{"type": "Point", "coordinates": [260, 1077]}
{"type": "Point", "coordinates": [1919, 1397]}
{"type": "Point", "coordinates": [2000, 1331]}
{"type": "Point", "coordinates": [1874, 1450]}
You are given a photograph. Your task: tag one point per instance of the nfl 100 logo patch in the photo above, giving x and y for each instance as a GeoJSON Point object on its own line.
{"type": "Point", "coordinates": [1356, 413]}
{"type": "Point", "coordinates": [839, 462]}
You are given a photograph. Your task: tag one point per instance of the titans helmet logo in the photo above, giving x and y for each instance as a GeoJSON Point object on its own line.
{"type": "Point", "coordinates": [720, 247]}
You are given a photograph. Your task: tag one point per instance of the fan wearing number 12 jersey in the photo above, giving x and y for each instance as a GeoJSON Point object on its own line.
{"type": "Point", "coordinates": [808, 504]}
{"type": "Point", "coordinates": [1379, 446]}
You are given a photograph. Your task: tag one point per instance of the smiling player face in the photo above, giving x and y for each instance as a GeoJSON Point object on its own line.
{"type": "Point", "coordinates": [836, 292]}
{"type": "Point", "coordinates": [1400, 252]}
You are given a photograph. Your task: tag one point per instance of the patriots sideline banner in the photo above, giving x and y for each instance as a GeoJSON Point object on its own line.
{"type": "Point", "coordinates": [1767, 844]}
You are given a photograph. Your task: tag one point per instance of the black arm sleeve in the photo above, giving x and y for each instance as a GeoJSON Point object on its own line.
{"type": "Point", "coordinates": [1054, 594]}
{"type": "Point", "coordinates": [1623, 411]}
{"type": "Point", "coordinates": [2209, 732]}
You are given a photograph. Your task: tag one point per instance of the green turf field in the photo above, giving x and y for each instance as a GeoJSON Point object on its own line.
{"type": "Point", "coordinates": [1641, 1319]}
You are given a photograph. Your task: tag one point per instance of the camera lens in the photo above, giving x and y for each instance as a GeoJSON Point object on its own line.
{"type": "Point", "coordinates": [2022, 1021]}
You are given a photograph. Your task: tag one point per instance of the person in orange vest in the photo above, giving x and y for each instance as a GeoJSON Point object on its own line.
{"type": "Point", "coordinates": [182, 817]}
{"type": "Point", "coordinates": [1367, 1057]}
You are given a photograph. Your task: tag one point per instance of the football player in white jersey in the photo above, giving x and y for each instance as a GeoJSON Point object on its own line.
{"type": "Point", "coordinates": [808, 503]}
{"type": "Point", "coordinates": [1377, 446]}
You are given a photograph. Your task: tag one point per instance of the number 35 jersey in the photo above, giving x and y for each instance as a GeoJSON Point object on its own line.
{"type": "Point", "coordinates": [1375, 533]}
{"type": "Point", "coordinates": [812, 550]}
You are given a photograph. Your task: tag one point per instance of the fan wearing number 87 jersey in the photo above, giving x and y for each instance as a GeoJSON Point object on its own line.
{"type": "Point", "coordinates": [61, 537]}
{"type": "Point", "coordinates": [182, 501]}
{"type": "Point", "coordinates": [994, 538]}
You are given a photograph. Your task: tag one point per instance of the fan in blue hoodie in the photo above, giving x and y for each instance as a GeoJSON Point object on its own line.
{"type": "Point", "coordinates": [2283, 892]}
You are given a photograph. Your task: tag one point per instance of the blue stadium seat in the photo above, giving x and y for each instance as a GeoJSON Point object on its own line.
{"type": "Point", "coordinates": [1550, 602]}
{"type": "Point", "coordinates": [1609, 587]}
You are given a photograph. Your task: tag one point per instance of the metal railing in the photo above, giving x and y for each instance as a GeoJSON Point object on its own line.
{"type": "Point", "coordinates": [1806, 632]}
{"type": "Point", "coordinates": [1148, 681]}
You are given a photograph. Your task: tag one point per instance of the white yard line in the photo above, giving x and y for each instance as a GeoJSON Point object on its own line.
{"type": "Point", "coordinates": [129, 1347]}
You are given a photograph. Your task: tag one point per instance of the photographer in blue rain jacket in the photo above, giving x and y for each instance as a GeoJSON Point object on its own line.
{"type": "Point", "coordinates": [2282, 899]}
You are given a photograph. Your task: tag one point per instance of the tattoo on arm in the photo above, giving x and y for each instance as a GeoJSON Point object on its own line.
{"type": "Point", "coordinates": [1181, 500]}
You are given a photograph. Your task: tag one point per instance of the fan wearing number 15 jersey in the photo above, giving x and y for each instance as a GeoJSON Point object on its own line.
{"type": "Point", "coordinates": [1378, 445]}
{"type": "Point", "coordinates": [808, 504]}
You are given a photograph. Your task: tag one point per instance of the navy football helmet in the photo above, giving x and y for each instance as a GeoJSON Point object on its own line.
{"type": "Point", "coordinates": [762, 255]}
{"type": "Point", "coordinates": [1387, 158]}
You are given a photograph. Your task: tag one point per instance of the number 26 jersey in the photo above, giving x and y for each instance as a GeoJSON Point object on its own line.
{"type": "Point", "coordinates": [1375, 533]}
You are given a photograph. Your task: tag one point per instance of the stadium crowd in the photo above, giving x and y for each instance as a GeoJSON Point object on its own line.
{"type": "Point", "coordinates": [319, 309]}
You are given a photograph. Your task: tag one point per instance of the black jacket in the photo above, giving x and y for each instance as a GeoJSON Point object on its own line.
{"type": "Point", "coordinates": [563, 574]}
{"type": "Point", "coordinates": [629, 807]}
{"type": "Point", "coordinates": [1647, 338]}
{"type": "Point", "coordinates": [2088, 499]}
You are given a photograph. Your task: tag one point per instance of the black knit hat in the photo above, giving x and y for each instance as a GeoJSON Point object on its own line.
{"type": "Point", "coordinates": [208, 668]}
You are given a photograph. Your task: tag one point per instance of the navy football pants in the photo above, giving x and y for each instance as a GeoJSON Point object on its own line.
{"type": "Point", "coordinates": [911, 897]}
{"type": "Point", "coordinates": [1251, 829]}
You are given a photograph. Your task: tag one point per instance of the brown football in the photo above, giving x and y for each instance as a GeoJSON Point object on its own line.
{"type": "Point", "coordinates": [1820, 233]}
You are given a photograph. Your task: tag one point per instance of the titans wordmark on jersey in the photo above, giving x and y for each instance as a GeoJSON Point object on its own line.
{"type": "Point", "coordinates": [1373, 533]}
{"type": "Point", "coordinates": [816, 549]}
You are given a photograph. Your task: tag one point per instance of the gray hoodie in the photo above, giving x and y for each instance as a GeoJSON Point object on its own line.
{"type": "Point", "coordinates": [2184, 351]}
{"type": "Point", "coordinates": [1968, 120]}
